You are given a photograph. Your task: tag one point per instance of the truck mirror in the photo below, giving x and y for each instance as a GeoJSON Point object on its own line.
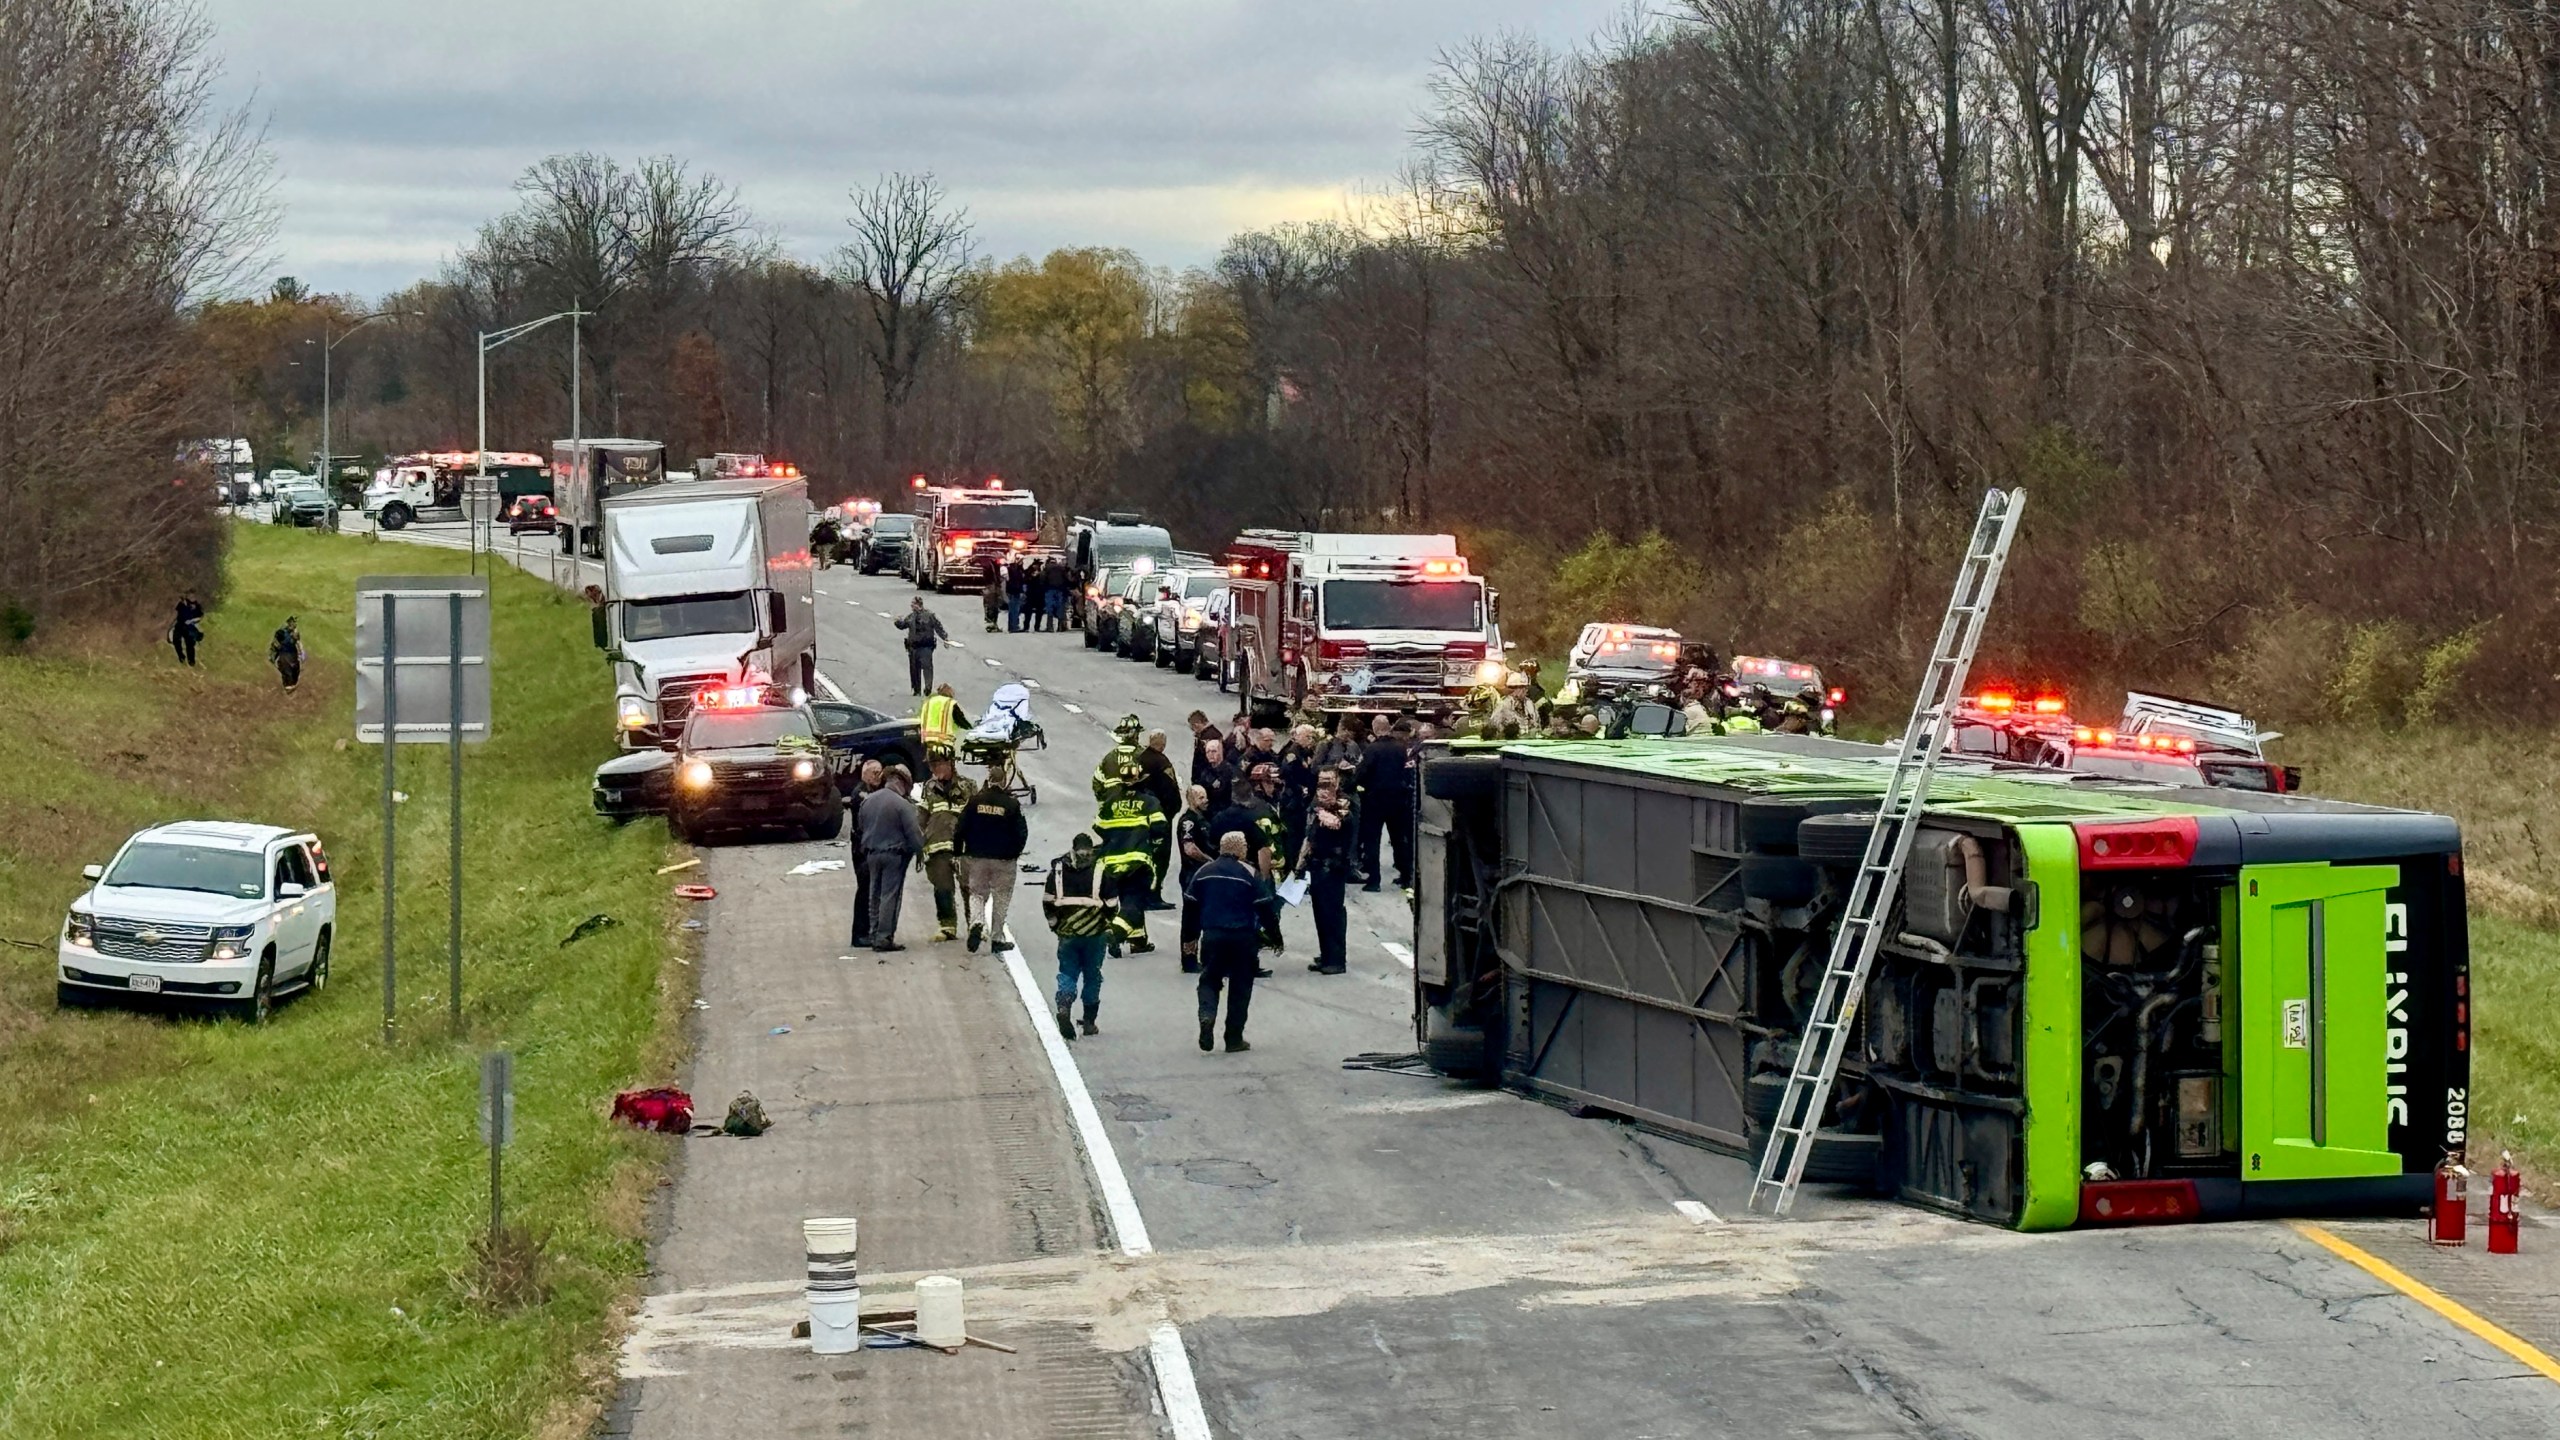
{"type": "Point", "coordinates": [777, 613]}
{"type": "Point", "coordinates": [596, 618]}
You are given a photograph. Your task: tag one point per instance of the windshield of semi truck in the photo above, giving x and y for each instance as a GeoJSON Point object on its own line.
{"type": "Point", "coordinates": [1019, 517]}
{"type": "Point", "coordinates": [730, 614]}
{"type": "Point", "coordinates": [1404, 605]}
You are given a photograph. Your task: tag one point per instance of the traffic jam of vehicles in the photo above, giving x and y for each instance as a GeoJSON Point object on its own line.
{"type": "Point", "coordinates": [2108, 973]}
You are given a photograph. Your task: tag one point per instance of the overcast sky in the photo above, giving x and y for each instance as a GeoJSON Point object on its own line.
{"type": "Point", "coordinates": [1160, 125]}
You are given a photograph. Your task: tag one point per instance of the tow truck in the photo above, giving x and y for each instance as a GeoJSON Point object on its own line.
{"type": "Point", "coordinates": [962, 525]}
{"type": "Point", "coordinates": [429, 486]}
{"type": "Point", "coordinates": [1360, 623]}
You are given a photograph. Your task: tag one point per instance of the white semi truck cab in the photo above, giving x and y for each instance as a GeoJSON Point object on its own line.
{"type": "Point", "coordinates": [707, 586]}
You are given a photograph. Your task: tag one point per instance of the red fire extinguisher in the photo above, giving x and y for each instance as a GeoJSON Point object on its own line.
{"type": "Point", "coordinates": [2506, 1189]}
{"type": "Point", "coordinates": [2452, 1216]}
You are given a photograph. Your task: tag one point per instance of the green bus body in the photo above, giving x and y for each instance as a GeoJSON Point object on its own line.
{"type": "Point", "coordinates": [2155, 1004]}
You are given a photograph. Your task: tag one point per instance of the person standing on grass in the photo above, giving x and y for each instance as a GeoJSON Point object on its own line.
{"type": "Point", "coordinates": [992, 835]}
{"type": "Point", "coordinates": [186, 628]}
{"type": "Point", "coordinates": [892, 840]}
{"type": "Point", "coordinates": [1228, 894]}
{"type": "Point", "coordinates": [924, 632]}
{"type": "Point", "coordinates": [1078, 902]}
{"type": "Point", "coordinates": [285, 653]}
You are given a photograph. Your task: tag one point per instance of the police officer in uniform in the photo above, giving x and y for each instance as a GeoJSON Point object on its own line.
{"type": "Point", "coordinates": [1127, 822]}
{"type": "Point", "coordinates": [943, 800]}
{"type": "Point", "coordinates": [1256, 816]}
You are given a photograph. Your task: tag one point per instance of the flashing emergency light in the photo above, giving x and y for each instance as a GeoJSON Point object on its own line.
{"type": "Point", "coordinates": [1450, 567]}
{"type": "Point", "coordinates": [1839, 696]}
{"type": "Point", "coordinates": [730, 697]}
{"type": "Point", "coordinates": [995, 482]}
{"type": "Point", "coordinates": [2048, 704]}
{"type": "Point", "coordinates": [1998, 702]}
{"type": "Point", "coordinates": [916, 482]}
{"type": "Point", "coordinates": [1235, 567]}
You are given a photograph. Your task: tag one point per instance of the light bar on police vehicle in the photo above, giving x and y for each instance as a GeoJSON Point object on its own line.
{"type": "Point", "coordinates": [730, 697]}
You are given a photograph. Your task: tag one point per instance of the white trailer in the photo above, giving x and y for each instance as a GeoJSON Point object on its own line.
{"type": "Point", "coordinates": [707, 586]}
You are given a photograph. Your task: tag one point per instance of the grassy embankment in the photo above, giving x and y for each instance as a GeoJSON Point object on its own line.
{"type": "Point", "coordinates": [209, 1230]}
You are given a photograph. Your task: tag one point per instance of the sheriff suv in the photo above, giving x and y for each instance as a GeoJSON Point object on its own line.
{"type": "Point", "coordinates": [739, 767]}
{"type": "Point", "coordinates": [205, 912]}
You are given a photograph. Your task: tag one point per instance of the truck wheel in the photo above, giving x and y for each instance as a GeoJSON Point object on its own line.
{"type": "Point", "coordinates": [395, 516]}
{"type": "Point", "coordinates": [1457, 1051]}
{"type": "Point", "coordinates": [1840, 1157]}
{"type": "Point", "coordinates": [1835, 839]}
{"type": "Point", "coordinates": [1779, 879]}
{"type": "Point", "coordinates": [1463, 777]}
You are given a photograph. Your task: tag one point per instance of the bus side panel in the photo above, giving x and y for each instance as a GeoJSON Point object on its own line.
{"type": "Point", "coordinates": [2052, 1062]}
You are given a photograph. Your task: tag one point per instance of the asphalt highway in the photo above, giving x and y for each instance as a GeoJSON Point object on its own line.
{"type": "Point", "coordinates": [1390, 1254]}
{"type": "Point", "coordinates": [1271, 1244]}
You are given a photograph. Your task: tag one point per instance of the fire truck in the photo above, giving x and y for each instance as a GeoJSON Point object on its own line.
{"type": "Point", "coordinates": [962, 525]}
{"type": "Point", "coordinates": [1360, 623]}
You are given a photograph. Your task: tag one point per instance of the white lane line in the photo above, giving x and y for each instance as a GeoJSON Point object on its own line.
{"type": "Point", "coordinates": [1403, 956]}
{"type": "Point", "coordinates": [991, 662]}
{"type": "Point", "coordinates": [856, 604]}
{"type": "Point", "coordinates": [885, 615]}
{"type": "Point", "coordinates": [1697, 1212]}
{"type": "Point", "coordinates": [1175, 1384]}
{"type": "Point", "coordinates": [1034, 684]}
{"type": "Point", "coordinates": [1117, 1198]}
{"type": "Point", "coordinates": [1070, 707]}
{"type": "Point", "coordinates": [1173, 1381]}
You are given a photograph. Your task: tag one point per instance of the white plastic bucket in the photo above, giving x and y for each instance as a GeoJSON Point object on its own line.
{"type": "Point", "coordinates": [835, 1287]}
{"type": "Point", "coordinates": [940, 1317]}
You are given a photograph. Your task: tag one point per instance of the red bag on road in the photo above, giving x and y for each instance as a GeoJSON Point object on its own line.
{"type": "Point", "coordinates": [666, 1108]}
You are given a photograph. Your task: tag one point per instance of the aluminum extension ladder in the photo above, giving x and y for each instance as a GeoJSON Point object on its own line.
{"type": "Point", "coordinates": [1879, 878]}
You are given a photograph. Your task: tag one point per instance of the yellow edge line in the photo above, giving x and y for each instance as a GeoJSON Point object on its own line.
{"type": "Point", "coordinates": [2389, 1274]}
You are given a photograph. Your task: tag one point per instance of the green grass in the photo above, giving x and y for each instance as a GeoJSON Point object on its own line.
{"type": "Point", "coordinates": [212, 1230]}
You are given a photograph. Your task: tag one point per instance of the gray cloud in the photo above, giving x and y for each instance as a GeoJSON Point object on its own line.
{"type": "Point", "coordinates": [1161, 125]}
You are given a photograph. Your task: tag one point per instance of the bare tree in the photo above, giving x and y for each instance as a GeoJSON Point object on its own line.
{"type": "Point", "coordinates": [910, 255]}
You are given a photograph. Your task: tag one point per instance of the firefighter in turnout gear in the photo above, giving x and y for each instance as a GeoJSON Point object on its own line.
{"type": "Point", "coordinates": [942, 800]}
{"type": "Point", "coordinates": [1742, 715]}
{"type": "Point", "coordinates": [1123, 756]}
{"type": "Point", "coordinates": [1128, 822]}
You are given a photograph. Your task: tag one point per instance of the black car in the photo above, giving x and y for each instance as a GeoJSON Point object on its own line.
{"type": "Point", "coordinates": [889, 546]}
{"type": "Point", "coordinates": [750, 769]}
{"type": "Point", "coordinates": [533, 512]}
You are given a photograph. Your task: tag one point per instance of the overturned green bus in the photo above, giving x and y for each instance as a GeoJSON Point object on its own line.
{"type": "Point", "coordinates": [2101, 1002]}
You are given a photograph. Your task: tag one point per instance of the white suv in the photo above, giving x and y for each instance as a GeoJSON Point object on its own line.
{"type": "Point", "coordinates": [203, 910]}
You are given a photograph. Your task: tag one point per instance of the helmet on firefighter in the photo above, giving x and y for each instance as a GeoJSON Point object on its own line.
{"type": "Point", "coordinates": [1482, 699]}
{"type": "Point", "coordinates": [1129, 728]}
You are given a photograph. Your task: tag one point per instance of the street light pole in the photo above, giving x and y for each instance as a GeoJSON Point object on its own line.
{"type": "Point", "coordinates": [328, 458]}
{"type": "Point", "coordinates": [491, 340]}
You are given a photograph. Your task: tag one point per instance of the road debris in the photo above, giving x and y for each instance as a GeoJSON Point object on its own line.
{"type": "Point", "coordinates": [680, 865]}
{"type": "Point", "coordinates": [593, 924]}
{"type": "Point", "coordinates": [813, 867]}
{"type": "Point", "coordinates": [696, 892]}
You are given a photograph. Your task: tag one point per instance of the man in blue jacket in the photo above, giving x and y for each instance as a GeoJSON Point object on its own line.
{"type": "Point", "coordinates": [1228, 893]}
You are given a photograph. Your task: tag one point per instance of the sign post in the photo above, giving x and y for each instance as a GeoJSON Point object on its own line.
{"type": "Point", "coordinates": [413, 660]}
{"type": "Point", "coordinates": [497, 1124]}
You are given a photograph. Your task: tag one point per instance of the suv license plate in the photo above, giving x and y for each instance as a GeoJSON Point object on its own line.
{"type": "Point", "coordinates": [144, 984]}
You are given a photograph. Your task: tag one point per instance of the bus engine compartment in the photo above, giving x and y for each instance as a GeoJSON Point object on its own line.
{"type": "Point", "coordinates": [2096, 1002]}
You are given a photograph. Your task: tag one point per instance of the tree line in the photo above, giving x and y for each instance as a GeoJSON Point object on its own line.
{"type": "Point", "coordinates": [1724, 319]}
